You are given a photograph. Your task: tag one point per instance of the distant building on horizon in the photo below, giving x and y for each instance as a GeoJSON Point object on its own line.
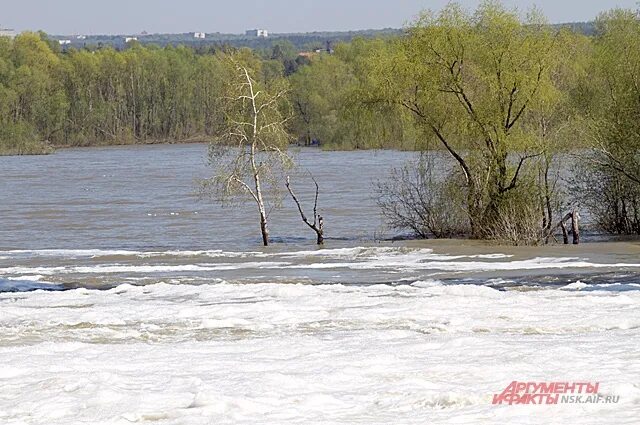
{"type": "Point", "coordinates": [199, 35]}
{"type": "Point", "coordinates": [128, 39]}
{"type": "Point", "coordinates": [7, 32]}
{"type": "Point", "coordinates": [257, 33]}
{"type": "Point", "coordinates": [64, 42]}
{"type": "Point", "coordinates": [317, 51]}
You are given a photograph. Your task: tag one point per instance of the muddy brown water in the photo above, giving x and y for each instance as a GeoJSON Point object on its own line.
{"type": "Point", "coordinates": [101, 217]}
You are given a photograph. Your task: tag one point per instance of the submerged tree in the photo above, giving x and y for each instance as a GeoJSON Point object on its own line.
{"type": "Point", "coordinates": [318, 222]}
{"type": "Point", "coordinates": [250, 151]}
{"type": "Point", "coordinates": [421, 196]}
{"type": "Point", "coordinates": [610, 184]}
{"type": "Point", "coordinates": [474, 83]}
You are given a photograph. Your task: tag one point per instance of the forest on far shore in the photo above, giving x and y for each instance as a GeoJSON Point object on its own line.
{"type": "Point", "coordinates": [55, 96]}
{"type": "Point", "coordinates": [507, 98]}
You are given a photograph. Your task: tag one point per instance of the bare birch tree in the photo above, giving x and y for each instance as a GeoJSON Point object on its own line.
{"type": "Point", "coordinates": [249, 155]}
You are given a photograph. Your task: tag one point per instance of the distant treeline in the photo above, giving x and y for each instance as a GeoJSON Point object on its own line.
{"type": "Point", "coordinates": [145, 94]}
{"type": "Point", "coordinates": [50, 96]}
{"type": "Point", "coordinates": [300, 41]}
{"type": "Point", "coordinates": [101, 97]}
{"type": "Point", "coordinates": [308, 41]}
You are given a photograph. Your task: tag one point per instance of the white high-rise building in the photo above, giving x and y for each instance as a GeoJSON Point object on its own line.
{"type": "Point", "coordinates": [6, 32]}
{"type": "Point", "coordinates": [257, 33]}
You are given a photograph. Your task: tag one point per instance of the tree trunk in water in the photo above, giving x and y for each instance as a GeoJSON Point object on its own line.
{"type": "Point", "coordinates": [263, 228]}
{"type": "Point", "coordinates": [575, 230]}
{"type": "Point", "coordinates": [565, 235]}
{"type": "Point", "coordinates": [320, 231]}
{"type": "Point", "coordinates": [260, 201]}
{"type": "Point", "coordinates": [475, 211]}
{"type": "Point", "coordinates": [263, 214]}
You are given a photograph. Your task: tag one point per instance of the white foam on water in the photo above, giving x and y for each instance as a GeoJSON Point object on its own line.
{"type": "Point", "coordinates": [417, 261]}
{"type": "Point", "coordinates": [491, 256]}
{"type": "Point", "coordinates": [67, 253]}
{"type": "Point", "coordinates": [387, 259]}
{"type": "Point", "coordinates": [129, 268]}
{"type": "Point", "coordinates": [97, 253]}
{"type": "Point", "coordinates": [406, 259]}
{"type": "Point", "coordinates": [577, 285]}
{"type": "Point", "coordinates": [32, 277]}
{"type": "Point", "coordinates": [416, 353]}
{"type": "Point", "coordinates": [380, 253]}
{"type": "Point", "coordinates": [359, 258]}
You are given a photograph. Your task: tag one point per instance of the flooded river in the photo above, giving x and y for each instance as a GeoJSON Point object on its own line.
{"type": "Point", "coordinates": [126, 298]}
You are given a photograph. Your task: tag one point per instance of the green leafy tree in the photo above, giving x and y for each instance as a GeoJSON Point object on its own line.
{"type": "Point", "coordinates": [473, 82]}
{"type": "Point", "coordinates": [611, 182]}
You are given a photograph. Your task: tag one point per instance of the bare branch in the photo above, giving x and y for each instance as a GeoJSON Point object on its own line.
{"type": "Point", "coordinates": [514, 179]}
{"type": "Point", "coordinates": [317, 225]}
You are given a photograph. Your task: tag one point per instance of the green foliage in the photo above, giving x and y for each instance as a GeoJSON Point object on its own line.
{"type": "Point", "coordinates": [81, 97]}
{"type": "Point", "coordinates": [20, 139]}
{"type": "Point", "coordinates": [318, 92]}
{"type": "Point", "coordinates": [479, 84]}
{"type": "Point", "coordinates": [616, 72]}
{"type": "Point", "coordinates": [610, 185]}
{"type": "Point", "coordinates": [104, 96]}
{"type": "Point", "coordinates": [612, 200]}
{"type": "Point", "coordinates": [331, 99]}
{"type": "Point", "coordinates": [32, 100]}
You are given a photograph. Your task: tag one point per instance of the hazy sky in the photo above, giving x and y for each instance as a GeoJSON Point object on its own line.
{"type": "Point", "coordinates": [235, 16]}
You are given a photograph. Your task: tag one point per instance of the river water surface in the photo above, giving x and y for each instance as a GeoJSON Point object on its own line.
{"type": "Point", "coordinates": [125, 298]}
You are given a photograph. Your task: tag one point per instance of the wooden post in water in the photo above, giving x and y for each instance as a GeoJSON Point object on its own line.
{"type": "Point", "coordinates": [565, 235]}
{"type": "Point", "coordinates": [320, 230]}
{"type": "Point", "coordinates": [575, 229]}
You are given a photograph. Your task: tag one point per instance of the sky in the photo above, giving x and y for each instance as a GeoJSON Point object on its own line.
{"type": "Point", "coordinates": [236, 16]}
